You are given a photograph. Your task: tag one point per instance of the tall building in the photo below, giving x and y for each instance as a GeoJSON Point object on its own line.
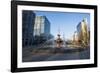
{"type": "Point", "coordinates": [42, 27]}
{"type": "Point", "coordinates": [83, 34]}
{"type": "Point", "coordinates": [75, 38]}
{"type": "Point", "coordinates": [28, 20]}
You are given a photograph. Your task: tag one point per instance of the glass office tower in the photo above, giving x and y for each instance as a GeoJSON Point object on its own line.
{"type": "Point", "coordinates": [83, 32]}
{"type": "Point", "coordinates": [42, 27]}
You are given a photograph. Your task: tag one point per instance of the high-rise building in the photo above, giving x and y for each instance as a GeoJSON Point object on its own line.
{"type": "Point", "coordinates": [28, 19]}
{"type": "Point", "coordinates": [42, 27]}
{"type": "Point", "coordinates": [75, 38]}
{"type": "Point", "coordinates": [83, 34]}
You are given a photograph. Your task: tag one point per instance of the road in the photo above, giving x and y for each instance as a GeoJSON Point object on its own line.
{"type": "Point", "coordinates": [60, 54]}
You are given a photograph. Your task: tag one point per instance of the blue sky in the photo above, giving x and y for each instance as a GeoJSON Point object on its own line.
{"type": "Point", "coordinates": [66, 22]}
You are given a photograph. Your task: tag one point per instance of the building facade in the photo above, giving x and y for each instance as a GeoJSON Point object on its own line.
{"type": "Point", "coordinates": [83, 32]}
{"type": "Point", "coordinates": [75, 38]}
{"type": "Point", "coordinates": [42, 27]}
{"type": "Point", "coordinates": [28, 20]}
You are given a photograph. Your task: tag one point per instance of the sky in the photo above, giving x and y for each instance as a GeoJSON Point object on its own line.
{"type": "Point", "coordinates": [63, 22]}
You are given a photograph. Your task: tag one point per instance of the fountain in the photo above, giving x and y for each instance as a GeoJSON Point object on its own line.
{"type": "Point", "coordinates": [59, 42]}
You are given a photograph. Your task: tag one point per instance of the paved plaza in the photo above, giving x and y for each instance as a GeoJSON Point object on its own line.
{"type": "Point", "coordinates": [53, 54]}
